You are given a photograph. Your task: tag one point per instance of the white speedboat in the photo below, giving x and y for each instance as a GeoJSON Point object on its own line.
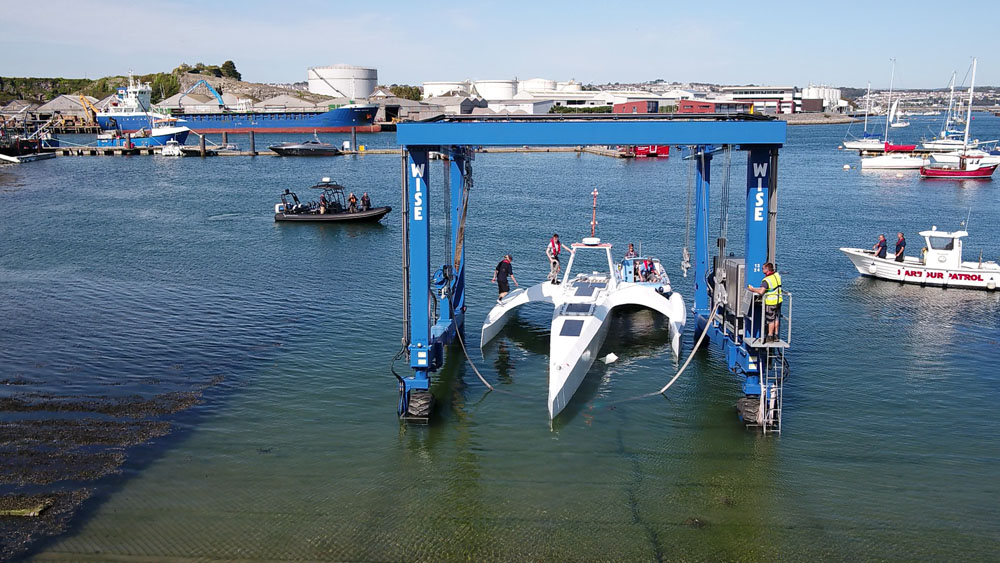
{"type": "Point", "coordinates": [171, 148]}
{"type": "Point", "coordinates": [583, 303]}
{"type": "Point", "coordinates": [893, 161]}
{"type": "Point", "coordinates": [940, 264]}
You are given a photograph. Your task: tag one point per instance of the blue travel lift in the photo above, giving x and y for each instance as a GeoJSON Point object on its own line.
{"type": "Point", "coordinates": [434, 305]}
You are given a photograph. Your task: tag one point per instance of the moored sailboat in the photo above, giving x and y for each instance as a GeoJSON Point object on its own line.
{"type": "Point", "coordinates": [969, 165]}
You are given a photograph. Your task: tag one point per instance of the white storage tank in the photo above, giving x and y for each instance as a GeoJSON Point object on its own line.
{"type": "Point", "coordinates": [496, 89]}
{"type": "Point", "coordinates": [571, 86]}
{"type": "Point", "coordinates": [343, 81]}
{"type": "Point", "coordinates": [537, 85]}
{"type": "Point", "coordinates": [433, 89]}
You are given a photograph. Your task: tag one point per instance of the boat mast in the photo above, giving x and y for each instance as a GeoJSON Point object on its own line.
{"type": "Point", "coordinates": [868, 106]}
{"type": "Point", "coordinates": [593, 220]}
{"type": "Point", "coordinates": [888, 114]}
{"type": "Point", "coordinates": [968, 117]}
{"type": "Point", "coordinates": [951, 102]}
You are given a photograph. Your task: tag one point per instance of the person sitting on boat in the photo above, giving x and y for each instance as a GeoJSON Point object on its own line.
{"type": "Point", "coordinates": [880, 247]}
{"type": "Point", "coordinates": [366, 202]}
{"type": "Point", "coordinates": [631, 252]}
{"type": "Point", "coordinates": [770, 288]}
{"type": "Point", "coordinates": [352, 203]}
{"type": "Point", "coordinates": [900, 247]}
{"type": "Point", "coordinates": [322, 204]}
{"type": "Point", "coordinates": [552, 251]}
{"type": "Point", "coordinates": [500, 274]}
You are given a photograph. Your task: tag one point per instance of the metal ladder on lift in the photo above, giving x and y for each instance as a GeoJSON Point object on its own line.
{"type": "Point", "coordinates": [774, 378]}
{"type": "Point", "coordinates": [774, 371]}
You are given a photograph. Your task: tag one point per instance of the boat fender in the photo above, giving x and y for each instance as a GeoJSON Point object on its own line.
{"type": "Point", "coordinates": [991, 285]}
{"type": "Point", "coordinates": [873, 268]}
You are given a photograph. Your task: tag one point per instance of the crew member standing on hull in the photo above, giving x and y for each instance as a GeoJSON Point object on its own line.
{"type": "Point", "coordinates": [552, 251]}
{"type": "Point", "coordinates": [900, 247]}
{"type": "Point", "coordinates": [500, 275]}
{"type": "Point", "coordinates": [770, 288]}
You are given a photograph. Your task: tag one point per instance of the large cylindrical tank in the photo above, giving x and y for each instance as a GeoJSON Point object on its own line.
{"type": "Point", "coordinates": [571, 86]}
{"type": "Point", "coordinates": [537, 85]}
{"type": "Point", "coordinates": [432, 89]}
{"type": "Point", "coordinates": [354, 82]}
{"type": "Point", "coordinates": [496, 89]}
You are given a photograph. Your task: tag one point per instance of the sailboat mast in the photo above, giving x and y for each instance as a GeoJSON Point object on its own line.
{"type": "Point", "coordinates": [889, 101]}
{"type": "Point", "coordinates": [968, 117]}
{"type": "Point", "coordinates": [951, 102]}
{"type": "Point", "coordinates": [868, 106]}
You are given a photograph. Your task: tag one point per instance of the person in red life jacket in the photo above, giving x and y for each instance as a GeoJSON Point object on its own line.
{"type": "Point", "coordinates": [552, 252]}
{"type": "Point", "coordinates": [500, 275]}
{"type": "Point", "coordinates": [880, 247]}
{"type": "Point", "coordinates": [900, 247]}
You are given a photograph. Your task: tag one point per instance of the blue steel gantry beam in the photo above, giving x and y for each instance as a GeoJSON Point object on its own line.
{"type": "Point", "coordinates": [436, 304]}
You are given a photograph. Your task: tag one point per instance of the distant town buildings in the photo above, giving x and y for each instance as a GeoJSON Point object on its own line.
{"type": "Point", "coordinates": [541, 95]}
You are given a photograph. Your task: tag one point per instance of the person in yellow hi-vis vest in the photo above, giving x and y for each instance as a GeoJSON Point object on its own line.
{"type": "Point", "coordinates": [770, 288]}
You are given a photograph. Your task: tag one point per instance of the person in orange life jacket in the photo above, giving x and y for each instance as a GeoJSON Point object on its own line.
{"type": "Point", "coordinates": [500, 274]}
{"type": "Point", "coordinates": [352, 203]}
{"type": "Point", "coordinates": [552, 251]}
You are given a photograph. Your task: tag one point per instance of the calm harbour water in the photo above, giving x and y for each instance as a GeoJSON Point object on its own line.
{"type": "Point", "coordinates": [118, 271]}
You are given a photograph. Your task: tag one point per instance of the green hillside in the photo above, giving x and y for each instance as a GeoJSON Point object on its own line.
{"type": "Point", "coordinates": [165, 84]}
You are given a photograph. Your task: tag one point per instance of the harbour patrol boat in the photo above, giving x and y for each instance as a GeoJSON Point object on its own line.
{"type": "Point", "coordinates": [940, 264]}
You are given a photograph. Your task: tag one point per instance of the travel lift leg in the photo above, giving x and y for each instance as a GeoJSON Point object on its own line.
{"type": "Point", "coordinates": [740, 335]}
{"type": "Point", "coordinates": [436, 307]}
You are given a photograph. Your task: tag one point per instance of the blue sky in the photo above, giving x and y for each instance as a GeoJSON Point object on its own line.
{"type": "Point", "coordinates": [776, 43]}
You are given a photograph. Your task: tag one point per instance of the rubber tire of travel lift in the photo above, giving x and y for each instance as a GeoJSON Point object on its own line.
{"type": "Point", "coordinates": [420, 404]}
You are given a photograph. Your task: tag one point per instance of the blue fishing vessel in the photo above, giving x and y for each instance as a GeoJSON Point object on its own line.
{"type": "Point", "coordinates": [131, 111]}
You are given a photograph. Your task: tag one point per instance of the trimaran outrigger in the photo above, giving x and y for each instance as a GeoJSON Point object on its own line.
{"type": "Point", "coordinates": [582, 305]}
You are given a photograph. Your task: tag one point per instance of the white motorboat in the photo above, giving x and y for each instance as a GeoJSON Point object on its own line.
{"type": "Point", "coordinates": [940, 264]}
{"type": "Point", "coordinates": [893, 161]}
{"type": "Point", "coordinates": [171, 148]}
{"type": "Point", "coordinates": [582, 306]}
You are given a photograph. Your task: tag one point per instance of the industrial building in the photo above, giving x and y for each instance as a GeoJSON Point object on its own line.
{"type": "Point", "coordinates": [766, 99]}
{"type": "Point", "coordinates": [343, 81]}
{"type": "Point", "coordinates": [714, 106]}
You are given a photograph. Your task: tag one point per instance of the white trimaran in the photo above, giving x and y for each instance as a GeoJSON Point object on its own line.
{"type": "Point", "coordinates": [582, 308]}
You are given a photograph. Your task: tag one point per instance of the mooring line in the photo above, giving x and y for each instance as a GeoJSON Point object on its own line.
{"type": "Point", "coordinates": [687, 362]}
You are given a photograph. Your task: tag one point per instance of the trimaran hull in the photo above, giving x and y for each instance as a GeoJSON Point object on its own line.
{"type": "Point", "coordinates": [577, 336]}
